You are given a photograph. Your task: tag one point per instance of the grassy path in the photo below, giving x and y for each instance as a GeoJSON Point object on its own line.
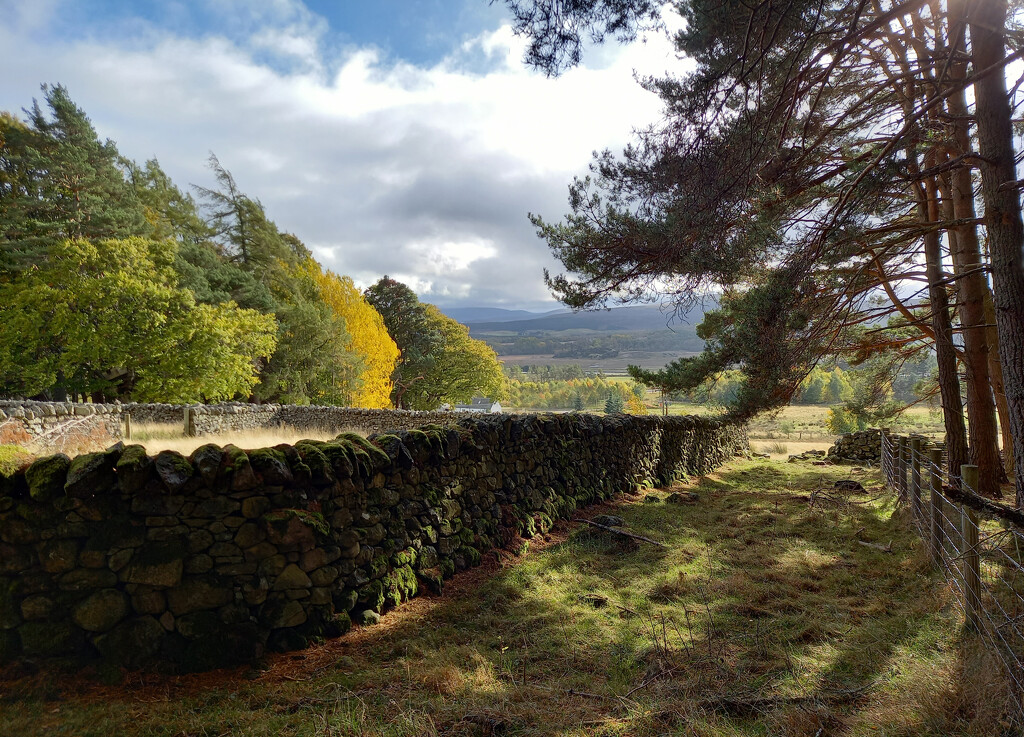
{"type": "Point", "coordinates": [762, 616]}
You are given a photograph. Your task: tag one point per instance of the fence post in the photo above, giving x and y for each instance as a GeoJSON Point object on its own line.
{"type": "Point", "coordinates": [915, 476]}
{"type": "Point", "coordinates": [970, 552]}
{"type": "Point", "coordinates": [885, 456]}
{"type": "Point", "coordinates": [935, 458]}
{"type": "Point", "coordinates": [901, 468]}
{"type": "Point", "coordinates": [127, 426]}
{"type": "Point", "coordinates": [190, 422]}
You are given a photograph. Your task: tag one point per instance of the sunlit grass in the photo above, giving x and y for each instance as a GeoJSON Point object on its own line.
{"type": "Point", "coordinates": [761, 616]}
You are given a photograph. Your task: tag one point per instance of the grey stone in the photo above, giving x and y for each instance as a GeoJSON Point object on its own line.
{"type": "Point", "coordinates": [292, 577]}
{"type": "Point", "coordinates": [367, 618]}
{"type": "Point", "coordinates": [101, 611]}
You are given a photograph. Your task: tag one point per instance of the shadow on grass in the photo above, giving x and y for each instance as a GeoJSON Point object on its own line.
{"type": "Point", "coordinates": [763, 614]}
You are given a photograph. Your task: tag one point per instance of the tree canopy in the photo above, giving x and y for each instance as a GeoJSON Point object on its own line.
{"type": "Point", "coordinates": [816, 168]}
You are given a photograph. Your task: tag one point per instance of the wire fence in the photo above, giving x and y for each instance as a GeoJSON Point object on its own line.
{"type": "Point", "coordinates": [981, 556]}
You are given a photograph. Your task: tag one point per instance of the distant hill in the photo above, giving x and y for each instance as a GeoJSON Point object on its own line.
{"type": "Point", "coordinates": [471, 315]}
{"type": "Point", "coordinates": [616, 320]}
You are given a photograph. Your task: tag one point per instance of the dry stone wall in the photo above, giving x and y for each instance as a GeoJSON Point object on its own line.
{"type": "Point", "coordinates": [68, 427]}
{"type": "Point", "coordinates": [864, 445]}
{"type": "Point", "coordinates": [215, 419]}
{"type": "Point", "coordinates": [59, 426]}
{"type": "Point", "coordinates": [190, 563]}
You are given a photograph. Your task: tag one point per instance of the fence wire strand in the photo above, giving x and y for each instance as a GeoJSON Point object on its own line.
{"type": "Point", "coordinates": [995, 602]}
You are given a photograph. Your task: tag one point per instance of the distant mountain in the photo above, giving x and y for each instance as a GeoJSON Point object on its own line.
{"type": "Point", "coordinates": [471, 315]}
{"type": "Point", "coordinates": [615, 320]}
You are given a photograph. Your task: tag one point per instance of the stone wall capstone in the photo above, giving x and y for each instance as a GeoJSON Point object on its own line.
{"type": "Point", "coordinates": [191, 563]}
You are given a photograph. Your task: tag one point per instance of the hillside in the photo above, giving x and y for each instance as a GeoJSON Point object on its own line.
{"type": "Point", "coordinates": [620, 319]}
{"type": "Point", "coordinates": [644, 335]}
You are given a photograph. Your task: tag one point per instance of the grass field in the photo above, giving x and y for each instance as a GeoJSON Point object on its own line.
{"type": "Point", "coordinates": [762, 615]}
{"type": "Point", "coordinates": [157, 437]}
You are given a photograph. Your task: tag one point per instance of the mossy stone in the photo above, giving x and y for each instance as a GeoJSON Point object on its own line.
{"type": "Point", "coordinates": [321, 470]}
{"type": "Point", "coordinates": [431, 579]}
{"type": "Point", "coordinates": [447, 567]}
{"type": "Point", "coordinates": [133, 468]}
{"type": "Point", "coordinates": [345, 600]}
{"type": "Point", "coordinates": [470, 555]}
{"type": "Point", "coordinates": [371, 596]}
{"type": "Point", "coordinates": [207, 459]}
{"type": "Point", "coordinates": [173, 469]}
{"type": "Point", "coordinates": [92, 474]}
{"type": "Point", "coordinates": [271, 467]}
{"type": "Point", "coordinates": [46, 477]}
{"type": "Point", "coordinates": [397, 452]}
{"type": "Point", "coordinates": [406, 557]}
{"type": "Point", "coordinates": [400, 585]}
{"type": "Point", "coordinates": [236, 463]}
{"type": "Point", "coordinates": [367, 617]}
{"type": "Point", "coordinates": [295, 528]}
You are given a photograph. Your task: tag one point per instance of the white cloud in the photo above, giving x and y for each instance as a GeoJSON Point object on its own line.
{"type": "Point", "coordinates": [381, 167]}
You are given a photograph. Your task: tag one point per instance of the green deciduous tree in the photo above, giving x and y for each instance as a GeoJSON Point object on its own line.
{"type": "Point", "coordinates": [461, 369]}
{"type": "Point", "coordinates": [107, 318]}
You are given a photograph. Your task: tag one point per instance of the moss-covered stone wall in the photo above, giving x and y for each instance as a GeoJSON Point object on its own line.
{"type": "Point", "coordinates": [198, 562]}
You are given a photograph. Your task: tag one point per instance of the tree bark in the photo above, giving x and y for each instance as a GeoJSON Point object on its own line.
{"type": "Point", "coordinates": [967, 266]}
{"type": "Point", "coordinates": [995, 370]}
{"type": "Point", "coordinates": [1000, 193]}
{"type": "Point", "coordinates": [945, 354]}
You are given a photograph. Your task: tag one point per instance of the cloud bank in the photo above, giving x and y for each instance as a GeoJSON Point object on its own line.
{"type": "Point", "coordinates": [425, 173]}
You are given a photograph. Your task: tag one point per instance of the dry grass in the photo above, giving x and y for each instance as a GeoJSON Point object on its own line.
{"type": "Point", "coordinates": [762, 616]}
{"type": "Point", "coordinates": [789, 447]}
{"type": "Point", "coordinates": [13, 457]}
{"type": "Point", "coordinates": [157, 437]}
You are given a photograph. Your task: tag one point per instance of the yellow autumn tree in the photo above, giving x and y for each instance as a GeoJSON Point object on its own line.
{"type": "Point", "coordinates": [368, 337]}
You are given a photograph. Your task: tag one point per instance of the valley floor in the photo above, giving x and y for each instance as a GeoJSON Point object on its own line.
{"type": "Point", "coordinates": [763, 615]}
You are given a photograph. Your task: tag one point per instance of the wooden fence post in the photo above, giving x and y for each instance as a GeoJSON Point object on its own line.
{"type": "Point", "coordinates": [901, 468]}
{"type": "Point", "coordinates": [915, 476]}
{"type": "Point", "coordinates": [970, 552]}
{"type": "Point", "coordinates": [886, 446]}
{"type": "Point", "coordinates": [937, 513]}
{"type": "Point", "coordinates": [190, 423]}
{"type": "Point", "coordinates": [127, 426]}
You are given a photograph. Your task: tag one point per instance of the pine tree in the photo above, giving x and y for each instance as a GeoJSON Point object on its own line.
{"type": "Point", "coordinates": [613, 404]}
{"type": "Point", "coordinates": [60, 181]}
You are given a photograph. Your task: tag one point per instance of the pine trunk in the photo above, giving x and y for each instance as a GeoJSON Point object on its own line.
{"type": "Point", "coordinates": [995, 370]}
{"type": "Point", "coordinates": [1002, 209]}
{"type": "Point", "coordinates": [945, 353]}
{"type": "Point", "coordinates": [971, 285]}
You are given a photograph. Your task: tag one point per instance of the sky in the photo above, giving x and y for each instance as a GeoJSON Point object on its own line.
{"type": "Point", "coordinates": [399, 137]}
